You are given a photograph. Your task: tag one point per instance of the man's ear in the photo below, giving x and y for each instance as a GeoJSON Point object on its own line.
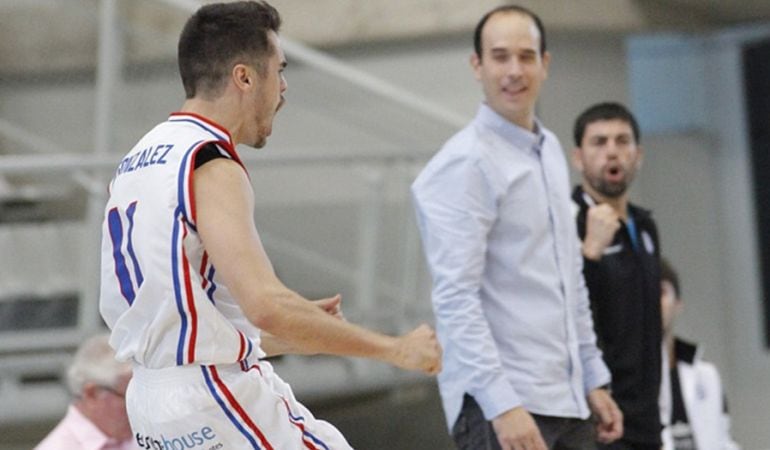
{"type": "Point", "coordinates": [242, 77]}
{"type": "Point", "coordinates": [678, 307]}
{"type": "Point", "coordinates": [577, 159]}
{"type": "Point", "coordinates": [546, 63]}
{"type": "Point", "coordinates": [89, 391]}
{"type": "Point", "coordinates": [475, 61]}
{"type": "Point", "coordinates": [640, 157]}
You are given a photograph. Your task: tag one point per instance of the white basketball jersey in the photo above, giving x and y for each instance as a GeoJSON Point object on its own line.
{"type": "Point", "coordinates": [160, 295]}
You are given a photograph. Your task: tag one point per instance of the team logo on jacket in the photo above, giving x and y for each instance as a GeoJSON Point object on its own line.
{"type": "Point", "coordinates": [612, 249]}
{"type": "Point", "coordinates": [649, 245]}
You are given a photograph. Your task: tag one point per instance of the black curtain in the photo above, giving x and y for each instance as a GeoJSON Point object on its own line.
{"type": "Point", "coordinates": [756, 64]}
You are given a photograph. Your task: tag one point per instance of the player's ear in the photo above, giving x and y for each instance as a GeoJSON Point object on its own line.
{"type": "Point", "coordinates": [242, 76]}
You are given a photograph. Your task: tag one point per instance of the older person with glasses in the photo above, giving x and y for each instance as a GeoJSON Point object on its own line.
{"type": "Point", "coordinates": [96, 418]}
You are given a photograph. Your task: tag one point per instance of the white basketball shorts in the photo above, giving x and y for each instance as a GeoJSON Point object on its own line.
{"type": "Point", "coordinates": [222, 407]}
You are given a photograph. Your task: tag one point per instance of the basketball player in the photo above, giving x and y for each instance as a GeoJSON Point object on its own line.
{"type": "Point", "coordinates": [187, 289]}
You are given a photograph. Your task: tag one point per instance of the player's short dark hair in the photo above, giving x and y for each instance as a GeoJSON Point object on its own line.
{"type": "Point", "coordinates": [668, 273]}
{"type": "Point", "coordinates": [604, 111]}
{"type": "Point", "coordinates": [508, 9]}
{"type": "Point", "coordinates": [220, 35]}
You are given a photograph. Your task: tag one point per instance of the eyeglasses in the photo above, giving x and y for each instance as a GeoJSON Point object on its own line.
{"type": "Point", "coordinates": [113, 391]}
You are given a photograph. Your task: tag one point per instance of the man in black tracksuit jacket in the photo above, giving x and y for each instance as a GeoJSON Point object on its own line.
{"type": "Point", "coordinates": [621, 268]}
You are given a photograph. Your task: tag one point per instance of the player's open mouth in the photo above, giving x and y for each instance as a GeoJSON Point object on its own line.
{"type": "Point", "coordinates": [614, 173]}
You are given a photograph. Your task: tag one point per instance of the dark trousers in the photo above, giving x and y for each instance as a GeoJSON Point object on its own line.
{"type": "Point", "coordinates": [473, 432]}
{"type": "Point", "coordinates": [623, 445]}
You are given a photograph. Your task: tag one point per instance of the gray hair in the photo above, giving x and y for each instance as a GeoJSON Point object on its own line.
{"type": "Point", "coordinates": [94, 362]}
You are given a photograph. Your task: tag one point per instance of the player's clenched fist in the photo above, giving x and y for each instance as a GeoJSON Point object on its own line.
{"type": "Point", "coordinates": [601, 224]}
{"type": "Point", "coordinates": [418, 350]}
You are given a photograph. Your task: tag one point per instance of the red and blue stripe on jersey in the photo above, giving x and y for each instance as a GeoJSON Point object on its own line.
{"type": "Point", "coordinates": [185, 219]}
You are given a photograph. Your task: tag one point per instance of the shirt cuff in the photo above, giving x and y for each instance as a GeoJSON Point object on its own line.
{"type": "Point", "coordinates": [496, 398]}
{"type": "Point", "coordinates": [595, 375]}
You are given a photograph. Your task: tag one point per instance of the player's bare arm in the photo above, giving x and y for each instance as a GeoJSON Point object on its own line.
{"type": "Point", "coordinates": [274, 346]}
{"type": "Point", "coordinates": [224, 204]}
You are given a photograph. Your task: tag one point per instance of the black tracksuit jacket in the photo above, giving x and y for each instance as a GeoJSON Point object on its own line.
{"type": "Point", "coordinates": [624, 288]}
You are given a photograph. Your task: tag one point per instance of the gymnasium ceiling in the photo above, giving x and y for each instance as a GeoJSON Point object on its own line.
{"type": "Point", "coordinates": [56, 35]}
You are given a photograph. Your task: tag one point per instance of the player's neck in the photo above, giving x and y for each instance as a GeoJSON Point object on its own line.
{"type": "Point", "coordinates": [212, 110]}
{"type": "Point", "coordinates": [201, 107]}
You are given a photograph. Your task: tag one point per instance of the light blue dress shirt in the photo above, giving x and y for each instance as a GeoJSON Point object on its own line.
{"type": "Point", "coordinates": [512, 309]}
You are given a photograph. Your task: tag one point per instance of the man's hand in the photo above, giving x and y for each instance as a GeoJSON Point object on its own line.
{"type": "Point", "coordinates": [418, 350]}
{"type": "Point", "coordinates": [609, 426]}
{"type": "Point", "coordinates": [331, 305]}
{"type": "Point", "coordinates": [517, 430]}
{"type": "Point", "coordinates": [602, 222]}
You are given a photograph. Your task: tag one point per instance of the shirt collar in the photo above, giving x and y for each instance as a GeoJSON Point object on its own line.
{"type": "Point", "coordinates": [89, 435]}
{"type": "Point", "coordinates": [518, 136]}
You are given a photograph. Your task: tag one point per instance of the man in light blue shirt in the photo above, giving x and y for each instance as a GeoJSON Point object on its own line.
{"type": "Point", "coordinates": [521, 366]}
